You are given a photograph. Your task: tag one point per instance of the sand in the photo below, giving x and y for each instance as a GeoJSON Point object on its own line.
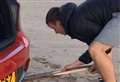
{"type": "Point", "coordinates": [50, 51]}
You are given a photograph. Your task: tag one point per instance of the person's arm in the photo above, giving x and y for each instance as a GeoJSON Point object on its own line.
{"type": "Point", "coordinates": [85, 58]}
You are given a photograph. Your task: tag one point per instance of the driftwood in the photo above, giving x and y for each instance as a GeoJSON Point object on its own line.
{"type": "Point", "coordinates": [52, 74]}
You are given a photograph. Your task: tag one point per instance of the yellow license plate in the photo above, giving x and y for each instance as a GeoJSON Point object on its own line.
{"type": "Point", "coordinates": [9, 78]}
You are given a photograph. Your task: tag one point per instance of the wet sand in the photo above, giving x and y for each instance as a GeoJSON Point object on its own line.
{"type": "Point", "coordinates": [49, 51]}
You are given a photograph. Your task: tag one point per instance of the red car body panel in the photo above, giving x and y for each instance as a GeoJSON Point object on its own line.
{"type": "Point", "coordinates": [15, 56]}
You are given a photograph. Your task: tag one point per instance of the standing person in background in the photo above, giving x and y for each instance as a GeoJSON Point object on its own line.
{"type": "Point", "coordinates": [95, 22]}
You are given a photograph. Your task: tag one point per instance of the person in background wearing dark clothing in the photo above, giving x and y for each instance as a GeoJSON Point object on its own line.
{"type": "Point", "coordinates": [95, 22]}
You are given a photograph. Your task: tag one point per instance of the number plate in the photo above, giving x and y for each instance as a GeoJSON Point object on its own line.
{"type": "Point", "coordinates": [9, 78]}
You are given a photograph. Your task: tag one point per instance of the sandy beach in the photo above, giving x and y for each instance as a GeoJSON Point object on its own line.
{"type": "Point", "coordinates": [49, 51]}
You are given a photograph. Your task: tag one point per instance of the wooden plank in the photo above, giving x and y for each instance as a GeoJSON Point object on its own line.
{"type": "Point", "coordinates": [32, 77]}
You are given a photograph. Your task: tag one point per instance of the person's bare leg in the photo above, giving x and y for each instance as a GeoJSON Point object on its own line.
{"type": "Point", "coordinates": [110, 56]}
{"type": "Point", "coordinates": [93, 69]}
{"type": "Point", "coordinates": [103, 63]}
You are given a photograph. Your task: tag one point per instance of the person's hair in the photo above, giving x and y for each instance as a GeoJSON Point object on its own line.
{"type": "Point", "coordinates": [52, 15]}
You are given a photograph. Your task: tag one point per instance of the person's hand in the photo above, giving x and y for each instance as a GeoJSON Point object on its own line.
{"type": "Point", "coordinates": [73, 65]}
{"type": "Point", "coordinates": [93, 69]}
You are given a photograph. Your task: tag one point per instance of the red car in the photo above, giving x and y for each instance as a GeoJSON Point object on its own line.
{"type": "Point", "coordinates": [14, 47]}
